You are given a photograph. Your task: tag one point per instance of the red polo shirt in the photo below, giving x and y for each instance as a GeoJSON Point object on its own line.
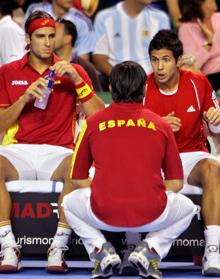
{"type": "Point", "coordinates": [193, 97]}
{"type": "Point", "coordinates": [56, 124]}
{"type": "Point", "coordinates": [129, 145]}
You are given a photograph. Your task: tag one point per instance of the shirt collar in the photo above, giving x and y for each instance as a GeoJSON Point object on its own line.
{"type": "Point", "coordinates": [126, 106]}
{"type": "Point", "coordinates": [25, 60]}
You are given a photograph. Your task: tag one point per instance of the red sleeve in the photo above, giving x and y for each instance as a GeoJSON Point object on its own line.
{"type": "Point", "coordinates": [210, 99]}
{"type": "Point", "coordinates": [87, 80]}
{"type": "Point", "coordinates": [172, 165]}
{"type": "Point", "coordinates": [82, 157]}
{"type": "Point", "coordinates": [4, 99]}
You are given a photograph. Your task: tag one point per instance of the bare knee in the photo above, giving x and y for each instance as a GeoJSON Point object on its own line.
{"type": "Point", "coordinates": [210, 174]}
{"type": "Point", "coordinates": [62, 173]}
{"type": "Point", "coordinates": [7, 170]}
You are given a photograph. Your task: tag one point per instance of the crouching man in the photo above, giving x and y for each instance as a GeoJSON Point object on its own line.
{"type": "Point", "coordinates": [129, 146]}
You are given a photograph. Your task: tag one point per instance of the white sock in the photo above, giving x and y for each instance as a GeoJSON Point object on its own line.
{"type": "Point", "coordinates": [6, 233]}
{"type": "Point", "coordinates": [212, 236]}
{"type": "Point", "coordinates": [62, 234]}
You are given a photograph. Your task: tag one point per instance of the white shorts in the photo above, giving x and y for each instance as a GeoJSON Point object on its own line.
{"type": "Point", "coordinates": [190, 159]}
{"type": "Point", "coordinates": [35, 161]}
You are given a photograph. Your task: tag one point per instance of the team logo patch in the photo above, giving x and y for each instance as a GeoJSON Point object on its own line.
{"type": "Point", "coordinates": [45, 22]}
{"type": "Point", "coordinates": [191, 109]}
{"type": "Point", "coordinates": [19, 82]}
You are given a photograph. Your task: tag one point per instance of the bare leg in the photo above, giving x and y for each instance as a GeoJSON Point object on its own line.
{"type": "Point", "coordinates": [56, 262]}
{"type": "Point", "coordinates": [10, 261]}
{"type": "Point", "coordinates": [62, 173]}
{"type": "Point", "coordinates": [206, 174]}
{"type": "Point", "coordinates": [7, 173]}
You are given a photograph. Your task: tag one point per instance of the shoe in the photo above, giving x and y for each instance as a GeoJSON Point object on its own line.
{"type": "Point", "coordinates": [10, 257]}
{"type": "Point", "coordinates": [126, 268]}
{"type": "Point", "coordinates": [211, 261]}
{"type": "Point", "coordinates": [106, 261]}
{"type": "Point", "coordinates": [145, 261]}
{"type": "Point", "coordinates": [55, 257]}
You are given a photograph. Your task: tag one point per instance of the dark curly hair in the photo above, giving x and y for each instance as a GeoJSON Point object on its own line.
{"type": "Point", "coordinates": [127, 81]}
{"type": "Point", "coordinates": [166, 39]}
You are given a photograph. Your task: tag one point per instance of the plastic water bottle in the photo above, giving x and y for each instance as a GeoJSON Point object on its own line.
{"type": "Point", "coordinates": [42, 103]}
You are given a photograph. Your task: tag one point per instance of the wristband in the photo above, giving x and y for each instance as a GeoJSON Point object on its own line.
{"type": "Point", "coordinates": [214, 129]}
{"type": "Point", "coordinates": [83, 90]}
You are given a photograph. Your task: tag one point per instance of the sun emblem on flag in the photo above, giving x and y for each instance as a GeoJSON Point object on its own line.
{"type": "Point", "coordinates": [146, 33]}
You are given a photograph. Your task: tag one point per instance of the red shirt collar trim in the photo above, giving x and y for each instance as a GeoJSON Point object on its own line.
{"type": "Point", "coordinates": [25, 60]}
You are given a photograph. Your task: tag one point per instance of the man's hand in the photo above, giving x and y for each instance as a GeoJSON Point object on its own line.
{"type": "Point", "coordinates": [174, 121]}
{"type": "Point", "coordinates": [65, 68]}
{"type": "Point", "coordinates": [189, 62]}
{"type": "Point", "coordinates": [212, 116]}
{"type": "Point", "coordinates": [35, 90]}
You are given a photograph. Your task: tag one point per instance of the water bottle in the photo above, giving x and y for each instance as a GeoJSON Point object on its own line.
{"type": "Point", "coordinates": [42, 103]}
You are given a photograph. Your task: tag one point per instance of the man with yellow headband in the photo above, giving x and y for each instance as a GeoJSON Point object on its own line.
{"type": "Point", "coordinates": [38, 143]}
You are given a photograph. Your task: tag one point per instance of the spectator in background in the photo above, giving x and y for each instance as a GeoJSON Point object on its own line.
{"type": "Point", "coordinates": [123, 32]}
{"type": "Point", "coordinates": [12, 37]}
{"type": "Point", "coordinates": [170, 6]}
{"type": "Point", "coordinates": [88, 7]}
{"type": "Point", "coordinates": [200, 35]}
{"type": "Point", "coordinates": [66, 35]}
{"type": "Point", "coordinates": [20, 7]}
{"type": "Point", "coordinates": [64, 9]}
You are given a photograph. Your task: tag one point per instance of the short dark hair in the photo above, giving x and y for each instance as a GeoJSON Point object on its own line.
{"type": "Point", "coordinates": [127, 81]}
{"type": "Point", "coordinates": [167, 39]}
{"type": "Point", "coordinates": [6, 7]}
{"type": "Point", "coordinates": [69, 29]}
{"type": "Point", "coordinates": [191, 10]}
{"type": "Point", "coordinates": [33, 16]}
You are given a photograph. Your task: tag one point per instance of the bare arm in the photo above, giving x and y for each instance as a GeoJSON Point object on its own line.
{"type": "Point", "coordinates": [85, 56]}
{"type": "Point", "coordinates": [174, 11]}
{"type": "Point", "coordinates": [93, 105]}
{"type": "Point", "coordinates": [10, 115]}
{"type": "Point", "coordinates": [101, 63]}
{"type": "Point", "coordinates": [82, 183]}
{"type": "Point", "coordinates": [173, 185]}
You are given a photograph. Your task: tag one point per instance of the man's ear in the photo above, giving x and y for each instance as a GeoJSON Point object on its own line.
{"type": "Point", "coordinates": [67, 39]}
{"type": "Point", "coordinates": [179, 61]}
{"type": "Point", "coordinates": [27, 39]}
{"type": "Point", "coordinates": [110, 88]}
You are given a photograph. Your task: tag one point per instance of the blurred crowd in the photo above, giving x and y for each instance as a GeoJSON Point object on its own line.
{"type": "Point", "coordinates": [104, 33]}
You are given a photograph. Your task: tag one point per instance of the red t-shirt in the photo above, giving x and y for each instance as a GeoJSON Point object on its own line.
{"type": "Point", "coordinates": [193, 96]}
{"type": "Point", "coordinates": [56, 124]}
{"type": "Point", "coordinates": [129, 145]}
